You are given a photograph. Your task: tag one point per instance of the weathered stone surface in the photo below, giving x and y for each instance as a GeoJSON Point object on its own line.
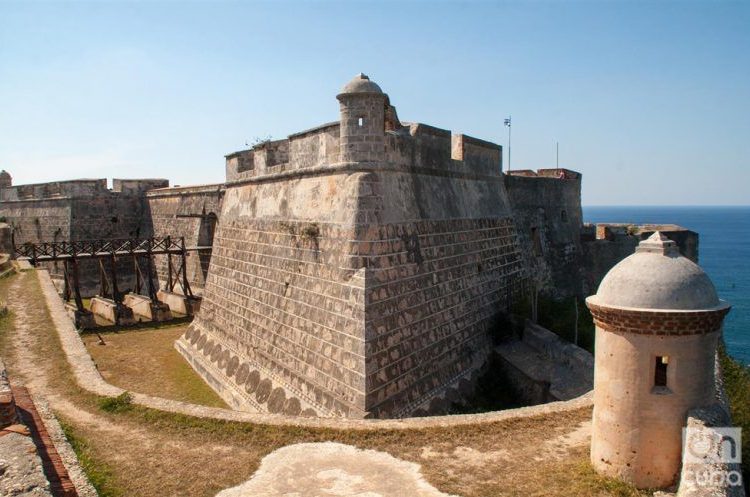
{"type": "Point", "coordinates": [112, 311]}
{"type": "Point", "coordinates": [188, 212]}
{"type": "Point", "coordinates": [333, 469]}
{"type": "Point", "coordinates": [21, 471]}
{"type": "Point", "coordinates": [363, 288]}
{"type": "Point", "coordinates": [144, 309]}
{"type": "Point", "coordinates": [179, 303]}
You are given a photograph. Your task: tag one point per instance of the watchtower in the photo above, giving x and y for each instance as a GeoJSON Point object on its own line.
{"type": "Point", "coordinates": [658, 321]}
{"type": "Point", "coordinates": [5, 179]}
{"type": "Point", "coordinates": [362, 121]}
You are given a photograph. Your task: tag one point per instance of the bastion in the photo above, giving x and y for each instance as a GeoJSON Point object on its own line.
{"type": "Point", "coordinates": [357, 267]}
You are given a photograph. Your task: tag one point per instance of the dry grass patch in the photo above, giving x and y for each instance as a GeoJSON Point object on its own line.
{"type": "Point", "coordinates": [145, 360]}
{"type": "Point", "coordinates": [136, 451]}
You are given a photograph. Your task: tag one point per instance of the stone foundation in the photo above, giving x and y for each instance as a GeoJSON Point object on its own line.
{"type": "Point", "coordinates": [112, 311]}
{"type": "Point", "coordinates": [179, 303]}
{"type": "Point", "coordinates": [144, 309]}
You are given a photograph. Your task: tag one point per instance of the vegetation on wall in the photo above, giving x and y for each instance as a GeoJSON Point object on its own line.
{"type": "Point", "coordinates": [737, 387]}
{"type": "Point", "coordinates": [559, 316]}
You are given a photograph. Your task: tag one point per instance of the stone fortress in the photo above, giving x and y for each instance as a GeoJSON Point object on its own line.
{"type": "Point", "coordinates": [359, 269]}
{"type": "Point", "coordinates": [353, 269]}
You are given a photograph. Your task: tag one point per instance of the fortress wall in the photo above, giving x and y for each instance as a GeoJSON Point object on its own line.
{"type": "Point", "coordinates": [315, 148]}
{"type": "Point", "coordinates": [604, 245]}
{"type": "Point", "coordinates": [102, 217]}
{"type": "Point", "coordinates": [478, 155]}
{"type": "Point", "coordinates": [425, 147]}
{"type": "Point", "coordinates": [240, 165]}
{"type": "Point", "coordinates": [284, 301]}
{"type": "Point", "coordinates": [137, 186]}
{"type": "Point", "coordinates": [55, 189]}
{"type": "Point", "coordinates": [41, 220]}
{"type": "Point", "coordinates": [107, 216]}
{"type": "Point", "coordinates": [346, 294]}
{"type": "Point", "coordinates": [548, 217]}
{"type": "Point", "coordinates": [442, 261]}
{"type": "Point", "coordinates": [185, 212]}
{"type": "Point", "coordinates": [432, 146]}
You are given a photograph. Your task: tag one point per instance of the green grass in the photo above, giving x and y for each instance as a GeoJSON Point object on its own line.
{"type": "Point", "coordinates": [121, 403]}
{"type": "Point", "coordinates": [6, 316]}
{"type": "Point", "coordinates": [559, 316]}
{"type": "Point", "coordinates": [99, 474]}
{"type": "Point", "coordinates": [588, 480]}
{"type": "Point", "coordinates": [737, 386]}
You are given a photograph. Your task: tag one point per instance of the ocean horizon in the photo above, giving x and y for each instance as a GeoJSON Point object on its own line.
{"type": "Point", "coordinates": [723, 252]}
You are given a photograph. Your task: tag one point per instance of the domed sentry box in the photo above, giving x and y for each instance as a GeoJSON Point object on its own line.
{"type": "Point", "coordinates": [658, 321]}
{"type": "Point", "coordinates": [362, 109]}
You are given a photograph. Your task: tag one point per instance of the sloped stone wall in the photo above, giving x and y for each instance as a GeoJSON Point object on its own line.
{"type": "Point", "coordinates": [184, 212]}
{"type": "Point", "coordinates": [548, 216]}
{"type": "Point", "coordinates": [435, 289]}
{"type": "Point", "coordinates": [356, 293]}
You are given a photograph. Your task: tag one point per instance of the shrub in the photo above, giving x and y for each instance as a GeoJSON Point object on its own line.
{"type": "Point", "coordinates": [737, 386]}
{"type": "Point", "coordinates": [121, 403]}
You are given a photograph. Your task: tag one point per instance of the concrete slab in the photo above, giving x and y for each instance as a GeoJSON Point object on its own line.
{"type": "Point", "coordinates": [145, 309]}
{"type": "Point", "coordinates": [179, 303]}
{"type": "Point", "coordinates": [112, 311]}
{"type": "Point", "coordinates": [333, 469]}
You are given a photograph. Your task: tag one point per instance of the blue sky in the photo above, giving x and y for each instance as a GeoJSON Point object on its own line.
{"type": "Point", "coordinates": [650, 101]}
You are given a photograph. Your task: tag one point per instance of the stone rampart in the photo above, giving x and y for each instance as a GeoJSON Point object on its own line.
{"type": "Point", "coordinates": [547, 212]}
{"type": "Point", "coordinates": [355, 293]}
{"type": "Point", "coordinates": [408, 147]}
{"type": "Point", "coordinates": [605, 244]}
{"type": "Point", "coordinates": [79, 210]}
{"type": "Point", "coordinates": [193, 213]}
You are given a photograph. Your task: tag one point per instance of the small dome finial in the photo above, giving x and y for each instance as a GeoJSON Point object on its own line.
{"type": "Point", "coordinates": [361, 83]}
{"type": "Point", "coordinates": [658, 243]}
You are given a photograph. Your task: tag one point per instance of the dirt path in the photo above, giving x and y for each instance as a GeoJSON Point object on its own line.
{"type": "Point", "coordinates": [26, 324]}
{"type": "Point", "coordinates": [146, 453]}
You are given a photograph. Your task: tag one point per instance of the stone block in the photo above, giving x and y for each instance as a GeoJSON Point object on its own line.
{"type": "Point", "coordinates": [112, 311]}
{"type": "Point", "coordinates": [144, 308]}
{"type": "Point", "coordinates": [179, 303]}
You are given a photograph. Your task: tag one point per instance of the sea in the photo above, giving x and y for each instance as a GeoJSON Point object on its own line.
{"type": "Point", "coordinates": [723, 252]}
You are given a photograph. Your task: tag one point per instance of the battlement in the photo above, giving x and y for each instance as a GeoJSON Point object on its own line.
{"type": "Point", "coordinates": [79, 188]}
{"type": "Point", "coordinates": [368, 136]}
{"type": "Point", "coordinates": [137, 186]}
{"type": "Point", "coordinates": [415, 145]}
{"type": "Point", "coordinates": [310, 148]}
{"type": "Point", "coordinates": [556, 173]}
{"type": "Point", "coordinates": [185, 190]}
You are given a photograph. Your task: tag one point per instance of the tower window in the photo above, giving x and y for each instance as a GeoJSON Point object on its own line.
{"type": "Point", "coordinates": [361, 122]}
{"type": "Point", "coordinates": [660, 372]}
{"type": "Point", "coordinates": [563, 215]}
